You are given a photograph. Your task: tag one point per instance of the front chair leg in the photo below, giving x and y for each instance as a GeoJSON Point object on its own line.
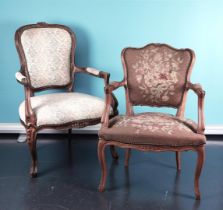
{"type": "Point", "coordinates": [102, 161]}
{"type": "Point", "coordinates": [31, 140]}
{"type": "Point", "coordinates": [200, 162]}
{"type": "Point", "coordinates": [178, 161]}
{"type": "Point", "coordinates": [113, 152]}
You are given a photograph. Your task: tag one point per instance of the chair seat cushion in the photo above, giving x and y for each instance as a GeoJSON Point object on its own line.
{"type": "Point", "coordinates": [152, 129]}
{"type": "Point", "coordinates": [62, 108]}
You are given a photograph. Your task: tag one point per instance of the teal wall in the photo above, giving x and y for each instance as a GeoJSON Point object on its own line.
{"type": "Point", "coordinates": [104, 27]}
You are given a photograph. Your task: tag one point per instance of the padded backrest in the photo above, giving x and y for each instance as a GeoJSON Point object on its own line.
{"type": "Point", "coordinates": [156, 74]}
{"type": "Point", "coordinates": [47, 53]}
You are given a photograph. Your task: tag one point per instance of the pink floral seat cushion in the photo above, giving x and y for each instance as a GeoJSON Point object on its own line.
{"type": "Point", "coordinates": [152, 129]}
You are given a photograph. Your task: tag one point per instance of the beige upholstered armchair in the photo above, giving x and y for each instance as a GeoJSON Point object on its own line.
{"type": "Point", "coordinates": [155, 75]}
{"type": "Point", "coordinates": [46, 53]}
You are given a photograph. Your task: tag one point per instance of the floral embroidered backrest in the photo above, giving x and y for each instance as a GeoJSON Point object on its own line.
{"type": "Point", "coordinates": [156, 74]}
{"type": "Point", "coordinates": [47, 52]}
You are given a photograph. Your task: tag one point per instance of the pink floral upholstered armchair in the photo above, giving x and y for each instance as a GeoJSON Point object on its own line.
{"type": "Point", "coordinates": [155, 75]}
{"type": "Point", "coordinates": [46, 53]}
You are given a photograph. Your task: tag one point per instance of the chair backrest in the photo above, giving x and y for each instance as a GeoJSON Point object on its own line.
{"type": "Point", "coordinates": [47, 54]}
{"type": "Point", "coordinates": [156, 74]}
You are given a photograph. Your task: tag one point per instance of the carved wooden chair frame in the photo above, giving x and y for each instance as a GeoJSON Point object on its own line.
{"type": "Point", "coordinates": [23, 78]}
{"type": "Point", "coordinates": [180, 113]}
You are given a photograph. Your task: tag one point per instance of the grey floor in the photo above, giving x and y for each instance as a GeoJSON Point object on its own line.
{"type": "Point", "coordinates": [69, 176]}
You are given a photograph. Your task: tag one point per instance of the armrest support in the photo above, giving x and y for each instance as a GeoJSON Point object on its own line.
{"type": "Point", "coordinates": [108, 93]}
{"type": "Point", "coordinates": [30, 115]}
{"type": "Point", "coordinates": [20, 78]}
{"type": "Point", "coordinates": [29, 112]}
{"type": "Point", "coordinates": [113, 86]}
{"type": "Point", "coordinates": [201, 94]}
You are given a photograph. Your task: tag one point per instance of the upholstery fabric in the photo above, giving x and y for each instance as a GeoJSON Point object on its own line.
{"type": "Point", "coordinates": [156, 74]}
{"type": "Point", "coordinates": [61, 108]}
{"type": "Point", "coordinates": [152, 129]}
{"type": "Point", "coordinates": [47, 52]}
{"type": "Point", "coordinates": [21, 78]}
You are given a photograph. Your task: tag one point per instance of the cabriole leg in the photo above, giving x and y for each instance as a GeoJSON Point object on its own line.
{"type": "Point", "coordinates": [200, 162]}
{"type": "Point", "coordinates": [31, 140]}
{"type": "Point", "coordinates": [102, 161]}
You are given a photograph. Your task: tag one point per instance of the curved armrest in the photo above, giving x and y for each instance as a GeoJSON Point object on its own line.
{"type": "Point", "coordinates": [93, 72]}
{"type": "Point", "coordinates": [197, 88]}
{"type": "Point", "coordinates": [20, 78]}
{"type": "Point", "coordinates": [200, 93]}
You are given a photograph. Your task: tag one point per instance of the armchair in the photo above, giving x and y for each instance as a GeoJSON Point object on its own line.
{"type": "Point", "coordinates": [46, 53]}
{"type": "Point", "coordinates": [155, 75]}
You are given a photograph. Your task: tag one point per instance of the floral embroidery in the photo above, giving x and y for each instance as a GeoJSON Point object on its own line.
{"type": "Point", "coordinates": [152, 123]}
{"type": "Point", "coordinates": [157, 73]}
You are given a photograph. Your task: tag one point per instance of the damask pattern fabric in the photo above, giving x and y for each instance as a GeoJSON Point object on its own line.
{"type": "Point", "coordinates": [61, 108]}
{"type": "Point", "coordinates": [156, 75]}
{"type": "Point", "coordinates": [47, 52]}
{"type": "Point", "coordinates": [152, 129]}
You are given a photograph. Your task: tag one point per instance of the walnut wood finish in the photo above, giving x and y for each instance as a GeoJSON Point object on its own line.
{"type": "Point", "coordinates": [180, 113]}
{"type": "Point", "coordinates": [147, 148]}
{"type": "Point", "coordinates": [30, 116]}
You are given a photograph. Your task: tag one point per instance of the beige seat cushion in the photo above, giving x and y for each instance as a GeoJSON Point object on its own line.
{"type": "Point", "coordinates": [152, 129]}
{"type": "Point", "coordinates": [61, 108]}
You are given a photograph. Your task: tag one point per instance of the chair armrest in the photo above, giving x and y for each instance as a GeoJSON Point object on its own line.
{"type": "Point", "coordinates": [21, 78]}
{"type": "Point", "coordinates": [94, 72]}
{"type": "Point", "coordinates": [201, 94]}
{"type": "Point", "coordinates": [197, 88]}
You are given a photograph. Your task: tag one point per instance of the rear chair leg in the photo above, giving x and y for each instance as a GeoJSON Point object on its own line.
{"type": "Point", "coordinates": [127, 156]}
{"type": "Point", "coordinates": [31, 140]}
{"type": "Point", "coordinates": [200, 162]}
{"type": "Point", "coordinates": [101, 157]}
{"type": "Point", "coordinates": [178, 161]}
{"type": "Point", "coordinates": [113, 152]}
